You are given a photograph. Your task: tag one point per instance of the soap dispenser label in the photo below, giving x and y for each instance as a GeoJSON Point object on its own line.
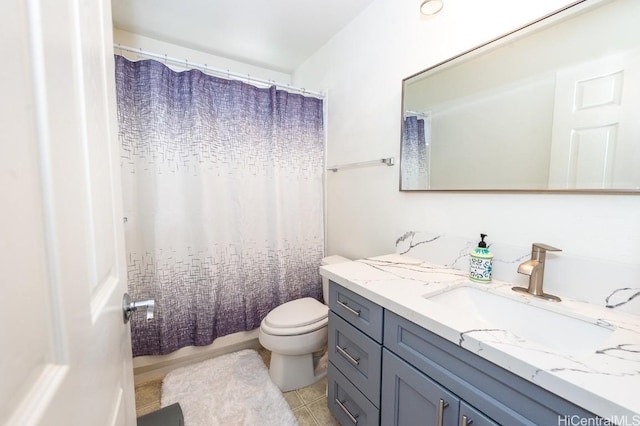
{"type": "Point", "coordinates": [480, 269]}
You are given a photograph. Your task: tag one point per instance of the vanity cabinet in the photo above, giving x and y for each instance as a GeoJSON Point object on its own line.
{"type": "Point", "coordinates": [384, 369]}
{"type": "Point", "coordinates": [484, 390]}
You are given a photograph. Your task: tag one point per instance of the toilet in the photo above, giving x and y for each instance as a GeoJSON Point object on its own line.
{"type": "Point", "coordinates": [295, 333]}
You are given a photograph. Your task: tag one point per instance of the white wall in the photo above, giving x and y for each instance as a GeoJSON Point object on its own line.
{"type": "Point", "coordinates": [497, 138]}
{"type": "Point", "coordinates": [362, 68]}
{"type": "Point", "coordinates": [137, 41]}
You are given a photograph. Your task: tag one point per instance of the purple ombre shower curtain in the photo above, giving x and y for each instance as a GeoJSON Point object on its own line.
{"type": "Point", "coordinates": [415, 154]}
{"type": "Point", "coordinates": [223, 200]}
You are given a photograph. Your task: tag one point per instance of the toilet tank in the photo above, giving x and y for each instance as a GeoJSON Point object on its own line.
{"type": "Point", "coordinates": [330, 260]}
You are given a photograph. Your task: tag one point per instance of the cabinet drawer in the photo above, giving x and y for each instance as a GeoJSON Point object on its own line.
{"type": "Point", "coordinates": [358, 357]}
{"type": "Point", "coordinates": [346, 403]}
{"type": "Point", "coordinates": [503, 396]}
{"type": "Point", "coordinates": [363, 314]}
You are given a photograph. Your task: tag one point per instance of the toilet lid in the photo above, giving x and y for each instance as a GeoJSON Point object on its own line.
{"type": "Point", "coordinates": [297, 313]}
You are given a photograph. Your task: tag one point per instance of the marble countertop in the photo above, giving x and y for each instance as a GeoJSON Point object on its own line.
{"type": "Point", "coordinates": [604, 380]}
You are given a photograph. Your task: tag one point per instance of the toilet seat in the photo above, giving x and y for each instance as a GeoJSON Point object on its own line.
{"type": "Point", "coordinates": [300, 316]}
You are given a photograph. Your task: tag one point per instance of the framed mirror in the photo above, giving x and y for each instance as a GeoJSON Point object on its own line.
{"type": "Point", "coordinates": [553, 106]}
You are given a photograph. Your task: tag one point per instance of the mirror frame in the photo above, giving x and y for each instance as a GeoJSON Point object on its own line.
{"type": "Point", "coordinates": [543, 22]}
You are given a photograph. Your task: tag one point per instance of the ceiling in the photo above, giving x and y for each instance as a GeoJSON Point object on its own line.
{"type": "Point", "coordinates": [276, 34]}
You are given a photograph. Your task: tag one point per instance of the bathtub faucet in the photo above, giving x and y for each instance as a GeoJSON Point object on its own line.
{"type": "Point", "coordinates": [128, 307]}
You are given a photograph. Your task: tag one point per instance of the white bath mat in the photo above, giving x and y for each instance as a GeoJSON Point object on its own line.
{"type": "Point", "coordinates": [232, 389]}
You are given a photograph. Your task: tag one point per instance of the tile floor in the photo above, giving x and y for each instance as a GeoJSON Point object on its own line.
{"type": "Point", "coordinates": [148, 397]}
{"type": "Point", "coordinates": [309, 404]}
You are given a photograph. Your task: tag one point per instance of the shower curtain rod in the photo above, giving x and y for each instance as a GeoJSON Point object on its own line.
{"type": "Point", "coordinates": [219, 72]}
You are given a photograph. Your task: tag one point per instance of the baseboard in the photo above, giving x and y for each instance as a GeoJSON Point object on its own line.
{"type": "Point", "coordinates": [153, 367]}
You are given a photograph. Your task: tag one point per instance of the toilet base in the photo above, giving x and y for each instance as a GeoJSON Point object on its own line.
{"type": "Point", "coordinates": [290, 372]}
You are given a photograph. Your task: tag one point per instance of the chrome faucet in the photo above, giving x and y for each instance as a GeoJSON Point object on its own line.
{"type": "Point", "coordinates": [535, 269]}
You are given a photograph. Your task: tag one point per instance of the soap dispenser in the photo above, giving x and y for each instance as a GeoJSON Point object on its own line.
{"type": "Point", "coordinates": [480, 266]}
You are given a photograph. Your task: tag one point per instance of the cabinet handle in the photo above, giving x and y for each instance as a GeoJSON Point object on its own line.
{"type": "Point", "coordinates": [352, 360]}
{"type": "Point", "coordinates": [349, 308]}
{"type": "Point", "coordinates": [442, 404]}
{"type": "Point", "coordinates": [353, 418]}
{"type": "Point", "coordinates": [466, 421]}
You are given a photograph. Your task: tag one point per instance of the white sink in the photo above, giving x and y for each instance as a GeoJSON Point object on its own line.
{"type": "Point", "coordinates": [556, 331]}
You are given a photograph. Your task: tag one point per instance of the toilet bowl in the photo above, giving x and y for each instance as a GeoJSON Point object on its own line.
{"type": "Point", "coordinates": [294, 332]}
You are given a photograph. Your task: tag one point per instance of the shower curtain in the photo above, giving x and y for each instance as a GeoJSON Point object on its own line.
{"type": "Point", "coordinates": [223, 200]}
{"type": "Point", "coordinates": [415, 154]}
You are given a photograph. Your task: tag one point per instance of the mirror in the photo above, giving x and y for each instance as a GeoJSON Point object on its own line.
{"type": "Point", "coordinates": [554, 106]}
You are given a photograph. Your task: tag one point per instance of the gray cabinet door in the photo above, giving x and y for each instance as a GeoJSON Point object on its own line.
{"type": "Point", "coordinates": [470, 416]}
{"type": "Point", "coordinates": [410, 398]}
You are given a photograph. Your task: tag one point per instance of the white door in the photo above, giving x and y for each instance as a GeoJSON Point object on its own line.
{"type": "Point", "coordinates": [596, 132]}
{"type": "Point", "coordinates": [65, 355]}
